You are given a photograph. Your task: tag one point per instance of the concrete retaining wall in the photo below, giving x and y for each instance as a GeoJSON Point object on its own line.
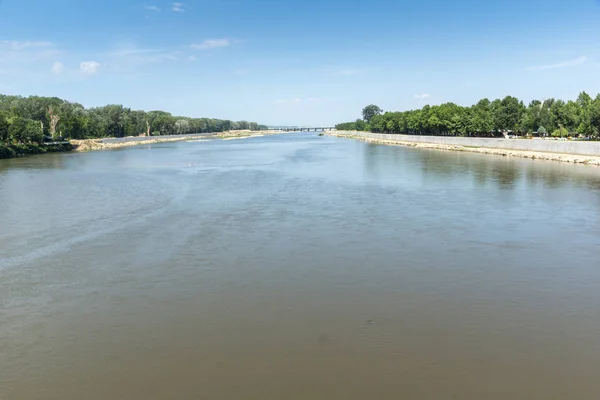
{"type": "Point", "coordinates": [547, 146]}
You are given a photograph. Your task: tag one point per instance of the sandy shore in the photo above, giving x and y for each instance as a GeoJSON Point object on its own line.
{"type": "Point", "coordinates": [535, 155]}
{"type": "Point", "coordinates": [97, 144]}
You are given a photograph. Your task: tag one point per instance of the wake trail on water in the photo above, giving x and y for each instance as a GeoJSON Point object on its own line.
{"type": "Point", "coordinates": [66, 244]}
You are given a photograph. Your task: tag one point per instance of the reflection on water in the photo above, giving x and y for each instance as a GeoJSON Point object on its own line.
{"type": "Point", "coordinates": [45, 161]}
{"type": "Point", "coordinates": [504, 172]}
{"type": "Point", "coordinates": [297, 267]}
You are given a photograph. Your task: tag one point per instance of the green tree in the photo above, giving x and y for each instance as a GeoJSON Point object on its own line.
{"type": "Point", "coordinates": [481, 119]}
{"type": "Point", "coordinates": [508, 114]}
{"type": "Point", "coordinates": [488, 118]}
{"type": "Point", "coordinates": [34, 132]}
{"type": "Point", "coordinates": [558, 115]}
{"type": "Point", "coordinates": [182, 126]}
{"type": "Point", "coordinates": [25, 130]}
{"type": "Point", "coordinates": [359, 125]}
{"type": "Point", "coordinates": [530, 120]}
{"type": "Point", "coordinates": [3, 127]}
{"type": "Point", "coordinates": [16, 129]}
{"type": "Point", "coordinates": [594, 114]}
{"type": "Point", "coordinates": [378, 123]}
{"type": "Point", "coordinates": [370, 111]}
{"type": "Point", "coordinates": [72, 120]}
{"type": "Point", "coordinates": [585, 127]}
{"type": "Point", "coordinates": [560, 132]}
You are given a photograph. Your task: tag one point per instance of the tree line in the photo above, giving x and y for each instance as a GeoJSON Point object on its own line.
{"type": "Point", "coordinates": [31, 120]}
{"type": "Point", "coordinates": [550, 117]}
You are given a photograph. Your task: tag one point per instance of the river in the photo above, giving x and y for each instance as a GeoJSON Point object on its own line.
{"type": "Point", "coordinates": [298, 267]}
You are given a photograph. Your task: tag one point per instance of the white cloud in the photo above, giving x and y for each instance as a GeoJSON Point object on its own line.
{"type": "Point", "coordinates": [151, 8]}
{"type": "Point", "coordinates": [89, 67]}
{"type": "Point", "coordinates": [57, 67]}
{"type": "Point", "coordinates": [211, 44]}
{"type": "Point", "coordinates": [564, 64]}
{"type": "Point", "coordinates": [21, 45]}
{"type": "Point", "coordinates": [177, 7]}
{"type": "Point", "coordinates": [421, 96]}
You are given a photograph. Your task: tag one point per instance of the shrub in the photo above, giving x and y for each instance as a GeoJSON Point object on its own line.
{"type": "Point", "coordinates": [560, 132]}
{"type": "Point", "coordinates": [27, 149]}
{"type": "Point", "coordinates": [7, 152]}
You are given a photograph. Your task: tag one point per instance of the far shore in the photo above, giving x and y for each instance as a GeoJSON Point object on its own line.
{"type": "Point", "coordinates": [404, 140]}
{"type": "Point", "coordinates": [115, 143]}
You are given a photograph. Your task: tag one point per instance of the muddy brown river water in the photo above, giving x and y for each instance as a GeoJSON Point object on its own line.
{"type": "Point", "coordinates": [298, 267]}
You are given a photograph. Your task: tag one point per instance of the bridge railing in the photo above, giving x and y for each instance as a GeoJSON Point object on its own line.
{"type": "Point", "coordinates": [303, 129]}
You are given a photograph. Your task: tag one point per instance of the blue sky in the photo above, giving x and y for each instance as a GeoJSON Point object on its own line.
{"type": "Point", "coordinates": [297, 62]}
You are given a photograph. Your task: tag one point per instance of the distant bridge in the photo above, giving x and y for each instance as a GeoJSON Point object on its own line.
{"type": "Point", "coordinates": [301, 128]}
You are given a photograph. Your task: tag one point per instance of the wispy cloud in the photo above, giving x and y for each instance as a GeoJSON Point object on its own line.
{"type": "Point", "coordinates": [22, 45]}
{"type": "Point", "coordinates": [128, 58]}
{"type": "Point", "coordinates": [211, 44]}
{"type": "Point", "coordinates": [296, 100]}
{"type": "Point", "coordinates": [22, 57]}
{"type": "Point", "coordinates": [288, 101]}
{"type": "Point", "coordinates": [178, 7]}
{"type": "Point", "coordinates": [89, 67]}
{"type": "Point", "coordinates": [347, 72]}
{"type": "Point", "coordinates": [132, 57]}
{"type": "Point", "coordinates": [57, 67]}
{"type": "Point", "coordinates": [569, 63]}
{"type": "Point", "coordinates": [421, 96]}
{"type": "Point", "coordinates": [151, 8]}
{"type": "Point", "coordinates": [130, 51]}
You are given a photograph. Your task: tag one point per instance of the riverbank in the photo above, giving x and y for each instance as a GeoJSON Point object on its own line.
{"type": "Point", "coordinates": [23, 150]}
{"type": "Point", "coordinates": [570, 152]}
{"type": "Point", "coordinates": [115, 143]}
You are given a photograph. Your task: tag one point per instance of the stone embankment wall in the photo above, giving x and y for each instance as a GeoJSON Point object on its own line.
{"type": "Point", "coordinates": [587, 148]}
